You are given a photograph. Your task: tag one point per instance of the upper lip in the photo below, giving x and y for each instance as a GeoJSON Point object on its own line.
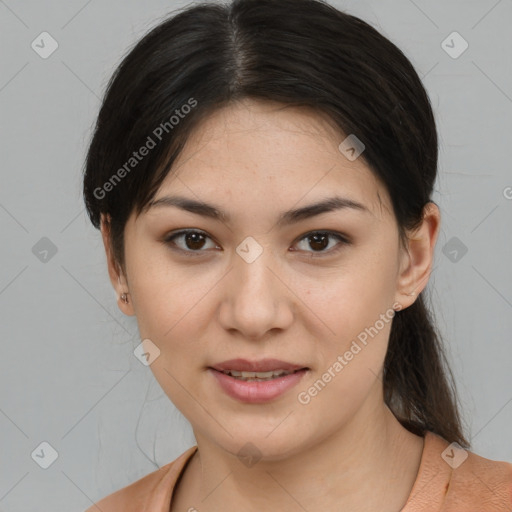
{"type": "Point", "coordinates": [263, 365]}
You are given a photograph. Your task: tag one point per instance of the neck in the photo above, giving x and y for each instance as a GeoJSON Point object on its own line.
{"type": "Point", "coordinates": [371, 463]}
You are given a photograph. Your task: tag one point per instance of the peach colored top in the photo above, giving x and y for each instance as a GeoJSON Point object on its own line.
{"type": "Point", "coordinates": [449, 480]}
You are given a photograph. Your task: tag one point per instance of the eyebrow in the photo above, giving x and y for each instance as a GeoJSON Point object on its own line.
{"type": "Point", "coordinates": [286, 218]}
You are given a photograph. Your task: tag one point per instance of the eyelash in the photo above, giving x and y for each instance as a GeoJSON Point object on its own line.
{"type": "Point", "coordinates": [169, 240]}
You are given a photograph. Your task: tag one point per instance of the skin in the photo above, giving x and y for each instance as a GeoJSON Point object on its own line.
{"type": "Point", "coordinates": [344, 450]}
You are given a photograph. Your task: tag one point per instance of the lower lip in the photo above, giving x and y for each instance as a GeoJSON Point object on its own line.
{"type": "Point", "coordinates": [257, 392]}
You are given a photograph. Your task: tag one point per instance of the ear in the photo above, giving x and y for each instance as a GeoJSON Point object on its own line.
{"type": "Point", "coordinates": [417, 259]}
{"type": "Point", "coordinates": [117, 277]}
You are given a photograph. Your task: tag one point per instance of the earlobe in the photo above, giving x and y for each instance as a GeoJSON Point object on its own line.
{"type": "Point", "coordinates": [416, 270]}
{"type": "Point", "coordinates": [117, 277]}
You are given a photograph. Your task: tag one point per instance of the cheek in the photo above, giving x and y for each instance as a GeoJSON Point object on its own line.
{"type": "Point", "coordinates": [165, 297]}
{"type": "Point", "coordinates": [355, 309]}
{"type": "Point", "coordinates": [352, 298]}
{"type": "Point", "coordinates": [349, 372]}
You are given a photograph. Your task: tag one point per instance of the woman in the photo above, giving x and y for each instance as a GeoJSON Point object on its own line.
{"type": "Point", "coordinates": [262, 175]}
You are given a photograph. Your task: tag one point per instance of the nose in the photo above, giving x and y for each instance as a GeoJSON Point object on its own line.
{"type": "Point", "coordinates": [257, 299]}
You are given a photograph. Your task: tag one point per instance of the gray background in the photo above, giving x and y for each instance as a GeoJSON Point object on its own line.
{"type": "Point", "coordinates": [68, 373]}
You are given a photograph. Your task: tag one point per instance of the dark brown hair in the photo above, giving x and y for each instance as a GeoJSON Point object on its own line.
{"type": "Point", "coordinates": [298, 53]}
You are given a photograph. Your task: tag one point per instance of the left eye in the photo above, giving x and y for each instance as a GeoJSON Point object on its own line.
{"type": "Point", "coordinates": [319, 240]}
{"type": "Point", "coordinates": [194, 241]}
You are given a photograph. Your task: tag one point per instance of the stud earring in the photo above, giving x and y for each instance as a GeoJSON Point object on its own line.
{"type": "Point", "coordinates": [124, 298]}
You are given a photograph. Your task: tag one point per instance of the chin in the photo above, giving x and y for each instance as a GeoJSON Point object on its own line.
{"type": "Point", "coordinates": [259, 442]}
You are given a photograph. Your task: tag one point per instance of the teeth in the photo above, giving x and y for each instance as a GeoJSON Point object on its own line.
{"type": "Point", "coordinates": [254, 376]}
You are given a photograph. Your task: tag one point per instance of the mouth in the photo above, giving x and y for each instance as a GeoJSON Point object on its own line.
{"type": "Point", "coordinates": [257, 381]}
{"type": "Point", "coordinates": [258, 376]}
{"type": "Point", "coordinates": [263, 369]}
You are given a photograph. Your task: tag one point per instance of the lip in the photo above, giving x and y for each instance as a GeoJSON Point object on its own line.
{"type": "Point", "coordinates": [262, 365]}
{"type": "Point", "coordinates": [257, 392]}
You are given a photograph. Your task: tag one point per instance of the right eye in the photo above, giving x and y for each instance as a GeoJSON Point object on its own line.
{"type": "Point", "coordinates": [192, 241]}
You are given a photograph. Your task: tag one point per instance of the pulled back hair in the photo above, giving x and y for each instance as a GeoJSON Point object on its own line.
{"type": "Point", "coordinates": [298, 53]}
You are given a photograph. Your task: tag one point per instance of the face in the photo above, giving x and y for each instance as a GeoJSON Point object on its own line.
{"type": "Point", "coordinates": [316, 289]}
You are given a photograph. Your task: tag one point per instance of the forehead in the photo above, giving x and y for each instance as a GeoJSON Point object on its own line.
{"type": "Point", "coordinates": [270, 153]}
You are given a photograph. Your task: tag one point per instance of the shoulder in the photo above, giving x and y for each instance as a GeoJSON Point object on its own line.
{"type": "Point", "coordinates": [483, 481]}
{"type": "Point", "coordinates": [463, 480]}
{"type": "Point", "coordinates": [152, 492]}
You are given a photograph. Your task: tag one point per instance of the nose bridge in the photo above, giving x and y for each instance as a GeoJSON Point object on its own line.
{"type": "Point", "coordinates": [252, 272]}
{"type": "Point", "coordinates": [255, 304]}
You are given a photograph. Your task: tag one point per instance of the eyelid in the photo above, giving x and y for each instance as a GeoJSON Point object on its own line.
{"type": "Point", "coordinates": [342, 238]}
